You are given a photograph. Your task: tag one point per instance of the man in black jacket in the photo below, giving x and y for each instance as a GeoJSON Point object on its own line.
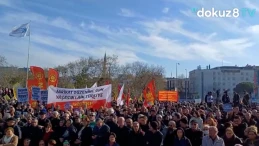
{"type": "Point", "coordinates": [194, 134]}
{"type": "Point", "coordinates": [122, 132]}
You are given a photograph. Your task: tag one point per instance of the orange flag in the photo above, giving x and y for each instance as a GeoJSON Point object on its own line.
{"type": "Point", "coordinates": [149, 93]}
{"type": "Point", "coordinates": [31, 83]}
{"type": "Point", "coordinates": [38, 74]}
{"type": "Point", "coordinates": [53, 77]}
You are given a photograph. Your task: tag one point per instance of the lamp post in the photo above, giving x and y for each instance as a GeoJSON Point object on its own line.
{"type": "Point", "coordinates": [176, 75]}
{"type": "Point", "coordinates": [186, 84]}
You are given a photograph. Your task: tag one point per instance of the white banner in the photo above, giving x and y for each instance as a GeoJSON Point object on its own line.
{"type": "Point", "coordinates": [68, 95]}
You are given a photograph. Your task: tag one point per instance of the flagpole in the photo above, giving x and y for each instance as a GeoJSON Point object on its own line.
{"type": "Point", "coordinates": [28, 57]}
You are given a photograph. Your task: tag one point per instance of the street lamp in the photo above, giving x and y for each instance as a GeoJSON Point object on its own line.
{"type": "Point", "coordinates": [186, 85]}
{"type": "Point", "coordinates": [176, 75]}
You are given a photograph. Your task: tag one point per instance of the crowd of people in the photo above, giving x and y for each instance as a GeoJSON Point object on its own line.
{"type": "Point", "coordinates": [163, 124]}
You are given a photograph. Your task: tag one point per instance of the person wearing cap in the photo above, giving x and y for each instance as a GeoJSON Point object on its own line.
{"type": "Point", "coordinates": [43, 119]}
{"type": "Point", "coordinates": [194, 133]}
{"type": "Point", "coordinates": [253, 138]}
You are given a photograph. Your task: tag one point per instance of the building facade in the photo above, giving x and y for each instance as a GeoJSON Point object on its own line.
{"type": "Point", "coordinates": [219, 78]}
{"type": "Point", "coordinates": [182, 85]}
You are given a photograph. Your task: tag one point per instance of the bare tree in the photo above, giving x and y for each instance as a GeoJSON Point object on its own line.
{"type": "Point", "coordinates": [2, 61]}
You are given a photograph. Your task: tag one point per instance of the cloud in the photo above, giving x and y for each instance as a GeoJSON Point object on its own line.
{"type": "Point", "coordinates": [254, 29]}
{"type": "Point", "coordinates": [251, 5]}
{"type": "Point", "coordinates": [165, 10]}
{"type": "Point", "coordinates": [126, 13]}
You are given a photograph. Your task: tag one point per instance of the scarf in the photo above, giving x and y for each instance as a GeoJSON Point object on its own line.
{"type": "Point", "coordinates": [7, 140]}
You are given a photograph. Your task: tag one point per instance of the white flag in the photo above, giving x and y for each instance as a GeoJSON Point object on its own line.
{"type": "Point", "coordinates": [94, 85]}
{"type": "Point", "coordinates": [20, 31]}
{"type": "Point", "coordinates": [119, 99]}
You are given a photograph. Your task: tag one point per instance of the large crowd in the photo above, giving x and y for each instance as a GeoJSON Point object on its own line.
{"type": "Point", "coordinates": [163, 124]}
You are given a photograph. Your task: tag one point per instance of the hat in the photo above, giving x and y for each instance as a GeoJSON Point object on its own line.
{"type": "Point", "coordinates": [194, 121]}
{"type": "Point", "coordinates": [42, 113]}
{"type": "Point", "coordinates": [10, 119]}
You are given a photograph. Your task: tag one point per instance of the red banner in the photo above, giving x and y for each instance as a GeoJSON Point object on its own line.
{"type": "Point", "coordinates": [38, 74]}
{"type": "Point", "coordinates": [89, 104]}
{"type": "Point", "coordinates": [31, 83]}
{"type": "Point", "coordinates": [53, 77]}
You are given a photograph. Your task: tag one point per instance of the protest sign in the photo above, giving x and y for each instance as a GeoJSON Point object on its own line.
{"type": "Point", "coordinates": [35, 93]}
{"type": "Point", "coordinates": [22, 95]}
{"type": "Point", "coordinates": [227, 107]}
{"type": "Point", "coordinates": [44, 96]}
{"type": "Point", "coordinates": [90, 97]}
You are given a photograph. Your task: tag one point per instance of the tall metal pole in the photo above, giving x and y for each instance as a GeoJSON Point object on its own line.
{"type": "Point", "coordinates": [176, 75]}
{"type": "Point", "coordinates": [28, 57]}
{"type": "Point", "coordinates": [186, 85]}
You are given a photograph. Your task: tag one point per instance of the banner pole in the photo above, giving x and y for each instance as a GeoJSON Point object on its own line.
{"type": "Point", "coordinates": [28, 57]}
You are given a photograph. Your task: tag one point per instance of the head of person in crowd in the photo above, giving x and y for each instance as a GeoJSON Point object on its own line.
{"type": "Point", "coordinates": [205, 130]}
{"type": "Point", "coordinates": [34, 122]}
{"type": "Point", "coordinates": [48, 127]}
{"type": "Point", "coordinates": [26, 142]}
{"type": "Point", "coordinates": [41, 143]}
{"type": "Point", "coordinates": [142, 119]}
{"type": "Point", "coordinates": [136, 126]}
{"type": "Point", "coordinates": [246, 131]}
{"type": "Point", "coordinates": [69, 122]}
{"type": "Point", "coordinates": [55, 114]}
{"type": "Point", "coordinates": [194, 125]}
{"type": "Point", "coordinates": [129, 122]}
{"type": "Point", "coordinates": [121, 121]}
{"type": "Point", "coordinates": [52, 142]}
{"type": "Point", "coordinates": [153, 126]}
{"type": "Point", "coordinates": [92, 116]}
{"type": "Point", "coordinates": [86, 121]}
{"type": "Point", "coordinates": [213, 132]}
{"type": "Point", "coordinates": [252, 132]}
{"type": "Point", "coordinates": [176, 117]}
{"type": "Point", "coordinates": [66, 143]}
{"type": "Point", "coordinates": [153, 112]}
{"type": "Point", "coordinates": [112, 138]}
{"type": "Point", "coordinates": [211, 121]}
{"type": "Point", "coordinates": [229, 133]}
{"type": "Point", "coordinates": [99, 122]}
{"type": "Point", "coordinates": [159, 118]}
{"type": "Point", "coordinates": [66, 116]}
{"type": "Point", "coordinates": [184, 123]}
{"type": "Point", "coordinates": [10, 122]}
{"type": "Point", "coordinates": [42, 115]}
{"type": "Point", "coordinates": [237, 121]}
{"type": "Point", "coordinates": [9, 132]}
{"type": "Point", "coordinates": [180, 133]}
{"type": "Point", "coordinates": [171, 125]}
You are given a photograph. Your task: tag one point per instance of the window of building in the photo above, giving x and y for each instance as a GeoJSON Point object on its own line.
{"type": "Point", "coordinates": [214, 78]}
{"type": "Point", "coordinates": [233, 78]}
{"type": "Point", "coordinates": [214, 73]}
{"type": "Point", "coordinates": [247, 74]}
{"type": "Point", "coordinates": [242, 73]}
{"type": "Point", "coordinates": [247, 79]}
{"type": "Point", "coordinates": [233, 73]}
{"type": "Point", "coordinates": [218, 73]}
{"type": "Point", "coordinates": [223, 84]}
{"type": "Point", "coordinates": [223, 78]}
{"type": "Point", "coordinates": [228, 78]}
{"type": "Point", "coordinates": [218, 83]}
{"type": "Point", "coordinates": [234, 84]}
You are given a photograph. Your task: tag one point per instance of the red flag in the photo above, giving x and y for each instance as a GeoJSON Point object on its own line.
{"type": "Point", "coordinates": [128, 97]}
{"type": "Point", "coordinates": [53, 77]}
{"type": "Point", "coordinates": [149, 93]}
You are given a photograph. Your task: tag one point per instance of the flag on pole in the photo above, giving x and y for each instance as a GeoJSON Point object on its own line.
{"type": "Point", "coordinates": [94, 85]}
{"type": "Point", "coordinates": [21, 31]}
{"type": "Point", "coordinates": [119, 99]}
